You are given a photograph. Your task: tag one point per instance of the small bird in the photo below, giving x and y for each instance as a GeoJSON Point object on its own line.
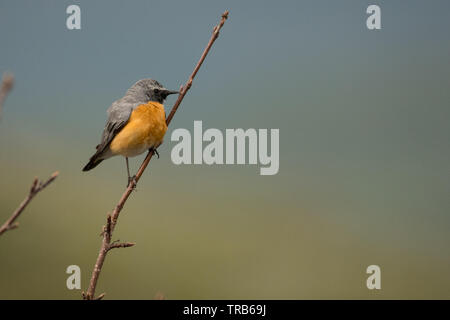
{"type": "Point", "coordinates": [136, 123]}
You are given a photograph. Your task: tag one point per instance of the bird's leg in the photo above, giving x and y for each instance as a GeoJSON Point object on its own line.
{"type": "Point", "coordinates": [128, 169]}
{"type": "Point", "coordinates": [130, 179]}
{"type": "Point", "coordinates": [155, 151]}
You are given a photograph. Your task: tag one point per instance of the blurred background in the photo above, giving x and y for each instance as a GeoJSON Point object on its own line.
{"type": "Point", "coordinates": [364, 150]}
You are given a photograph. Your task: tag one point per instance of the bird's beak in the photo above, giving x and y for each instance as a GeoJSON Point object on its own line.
{"type": "Point", "coordinates": [171, 92]}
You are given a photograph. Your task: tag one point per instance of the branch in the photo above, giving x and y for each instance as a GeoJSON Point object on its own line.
{"type": "Point", "coordinates": [36, 187]}
{"type": "Point", "coordinates": [121, 245]}
{"type": "Point", "coordinates": [112, 218]}
{"type": "Point", "coordinates": [6, 87]}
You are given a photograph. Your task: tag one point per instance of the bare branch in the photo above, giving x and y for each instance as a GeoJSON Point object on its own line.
{"type": "Point", "coordinates": [36, 187]}
{"type": "Point", "coordinates": [112, 218]}
{"type": "Point", "coordinates": [100, 296]}
{"type": "Point", "coordinates": [121, 245]}
{"type": "Point", "coordinates": [6, 87]}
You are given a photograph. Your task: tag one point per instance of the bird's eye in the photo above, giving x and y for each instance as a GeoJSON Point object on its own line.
{"type": "Point", "coordinates": [156, 91]}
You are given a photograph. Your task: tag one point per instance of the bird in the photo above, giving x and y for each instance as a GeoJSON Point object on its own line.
{"type": "Point", "coordinates": [136, 123]}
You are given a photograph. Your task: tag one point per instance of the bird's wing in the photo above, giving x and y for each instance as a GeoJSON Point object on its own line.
{"type": "Point", "coordinates": [118, 115]}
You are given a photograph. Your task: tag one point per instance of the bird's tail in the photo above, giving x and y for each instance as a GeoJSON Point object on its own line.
{"type": "Point", "coordinates": [93, 162]}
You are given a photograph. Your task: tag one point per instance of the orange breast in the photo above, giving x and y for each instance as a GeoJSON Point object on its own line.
{"type": "Point", "coordinates": [145, 129]}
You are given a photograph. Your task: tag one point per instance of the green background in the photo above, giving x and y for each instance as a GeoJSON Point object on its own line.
{"type": "Point", "coordinates": [364, 150]}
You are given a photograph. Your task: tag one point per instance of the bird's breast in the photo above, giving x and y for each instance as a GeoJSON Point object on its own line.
{"type": "Point", "coordinates": [145, 129]}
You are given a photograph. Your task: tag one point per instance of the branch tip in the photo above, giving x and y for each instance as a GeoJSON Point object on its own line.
{"type": "Point", "coordinates": [36, 187]}
{"type": "Point", "coordinates": [116, 244]}
{"type": "Point", "coordinates": [100, 296]}
{"type": "Point", "coordinates": [6, 86]}
{"type": "Point", "coordinates": [7, 81]}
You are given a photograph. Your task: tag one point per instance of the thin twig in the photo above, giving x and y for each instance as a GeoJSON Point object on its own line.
{"type": "Point", "coordinates": [112, 218]}
{"type": "Point", "coordinates": [6, 87]}
{"type": "Point", "coordinates": [36, 187]}
{"type": "Point", "coordinates": [121, 245]}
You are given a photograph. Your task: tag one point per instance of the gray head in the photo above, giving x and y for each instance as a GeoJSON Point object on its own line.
{"type": "Point", "coordinates": [149, 90]}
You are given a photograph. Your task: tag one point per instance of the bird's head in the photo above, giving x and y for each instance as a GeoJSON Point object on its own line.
{"type": "Point", "coordinates": [152, 90]}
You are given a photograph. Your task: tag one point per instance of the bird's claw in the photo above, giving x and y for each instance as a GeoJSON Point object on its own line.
{"type": "Point", "coordinates": [132, 180]}
{"type": "Point", "coordinates": [155, 151]}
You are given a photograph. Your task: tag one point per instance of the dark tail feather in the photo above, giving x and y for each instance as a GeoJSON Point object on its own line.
{"type": "Point", "coordinates": [93, 162]}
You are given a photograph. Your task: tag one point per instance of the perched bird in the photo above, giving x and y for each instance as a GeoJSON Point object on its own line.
{"type": "Point", "coordinates": [136, 123]}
